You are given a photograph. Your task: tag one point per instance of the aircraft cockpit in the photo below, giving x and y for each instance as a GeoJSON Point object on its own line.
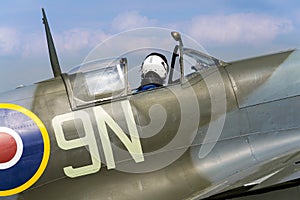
{"type": "Point", "coordinates": [107, 79]}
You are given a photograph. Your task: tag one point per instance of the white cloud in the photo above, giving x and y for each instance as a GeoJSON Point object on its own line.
{"type": "Point", "coordinates": [33, 44]}
{"type": "Point", "coordinates": [9, 41]}
{"type": "Point", "coordinates": [78, 39]}
{"type": "Point", "coordinates": [70, 41]}
{"type": "Point", "coordinates": [130, 20]}
{"type": "Point", "coordinates": [134, 40]}
{"type": "Point", "coordinates": [238, 28]}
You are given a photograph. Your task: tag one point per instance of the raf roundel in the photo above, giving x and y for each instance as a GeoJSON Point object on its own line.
{"type": "Point", "coordinates": [24, 149]}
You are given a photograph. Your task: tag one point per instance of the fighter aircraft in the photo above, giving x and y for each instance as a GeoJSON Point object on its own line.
{"type": "Point", "coordinates": [215, 130]}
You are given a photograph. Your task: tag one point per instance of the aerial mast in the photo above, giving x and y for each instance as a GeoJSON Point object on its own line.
{"type": "Point", "coordinates": [52, 52]}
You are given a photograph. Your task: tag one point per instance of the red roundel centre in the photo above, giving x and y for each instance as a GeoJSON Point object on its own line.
{"type": "Point", "coordinates": [8, 147]}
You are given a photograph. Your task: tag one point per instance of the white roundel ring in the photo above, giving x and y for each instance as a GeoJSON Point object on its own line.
{"type": "Point", "coordinates": [14, 150]}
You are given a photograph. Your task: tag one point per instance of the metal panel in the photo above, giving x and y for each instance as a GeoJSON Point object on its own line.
{"type": "Point", "coordinates": [228, 157]}
{"type": "Point", "coordinates": [266, 79]}
{"type": "Point", "coordinates": [277, 115]}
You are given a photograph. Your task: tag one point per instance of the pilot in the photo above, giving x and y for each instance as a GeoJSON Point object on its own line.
{"type": "Point", "coordinates": [154, 71]}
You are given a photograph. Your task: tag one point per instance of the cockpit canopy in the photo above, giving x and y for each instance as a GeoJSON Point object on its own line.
{"type": "Point", "coordinates": [107, 79]}
{"type": "Point", "coordinates": [98, 80]}
{"type": "Point", "coordinates": [200, 60]}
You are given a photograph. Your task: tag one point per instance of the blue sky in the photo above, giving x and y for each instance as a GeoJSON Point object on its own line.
{"type": "Point", "coordinates": [228, 29]}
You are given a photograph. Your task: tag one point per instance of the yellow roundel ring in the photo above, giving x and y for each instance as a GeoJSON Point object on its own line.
{"type": "Point", "coordinates": [46, 149]}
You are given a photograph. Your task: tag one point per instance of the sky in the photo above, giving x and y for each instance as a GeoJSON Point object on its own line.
{"type": "Point", "coordinates": [227, 29]}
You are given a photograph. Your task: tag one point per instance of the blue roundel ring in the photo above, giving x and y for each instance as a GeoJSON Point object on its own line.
{"type": "Point", "coordinates": [24, 149]}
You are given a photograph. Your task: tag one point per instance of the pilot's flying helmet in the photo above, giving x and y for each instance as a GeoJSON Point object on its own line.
{"type": "Point", "coordinates": [154, 69]}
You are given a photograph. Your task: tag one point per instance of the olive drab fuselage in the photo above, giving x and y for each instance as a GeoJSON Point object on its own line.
{"type": "Point", "coordinates": [104, 149]}
{"type": "Point", "coordinates": [216, 131]}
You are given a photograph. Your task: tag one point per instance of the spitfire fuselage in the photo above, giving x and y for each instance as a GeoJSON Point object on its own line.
{"type": "Point", "coordinates": [231, 127]}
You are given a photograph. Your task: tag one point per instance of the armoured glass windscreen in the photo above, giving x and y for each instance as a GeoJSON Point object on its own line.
{"type": "Point", "coordinates": [100, 80]}
{"type": "Point", "coordinates": [105, 81]}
